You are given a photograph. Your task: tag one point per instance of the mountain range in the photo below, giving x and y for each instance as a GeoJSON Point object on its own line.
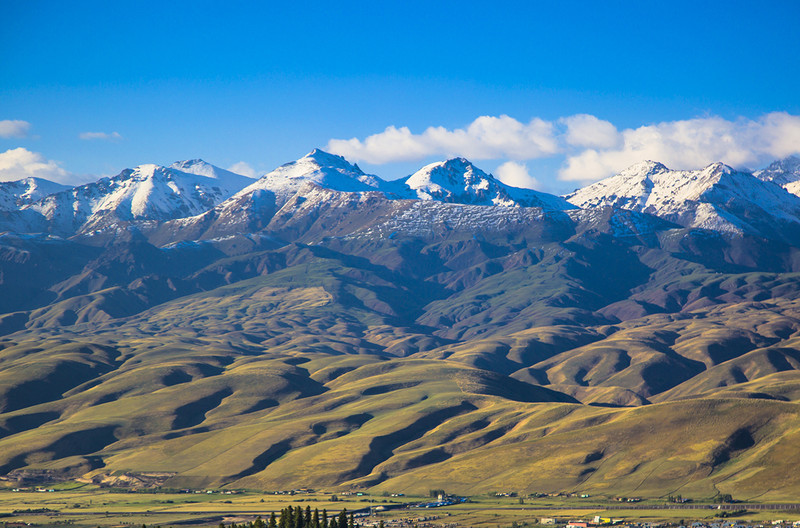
{"type": "Point", "coordinates": [323, 327]}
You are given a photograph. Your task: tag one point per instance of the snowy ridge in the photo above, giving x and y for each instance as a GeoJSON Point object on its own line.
{"type": "Point", "coordinates": [15, 194]}
{"type": "Point", "coordinates": [785, 172]}
{"type": "Point", "coordinates": [427, 219]}
{"type": "Point", "coordinates": [458, 181]}
{"type": "Point", "coordinates": [202, 168]}
{"type": "Point", "coordinates": [148, 192]}
{"type": "Point", "coordinates": [252, 208]}
{"type": "Point", "coordinates": [326, 170]}
{"type": "Point", "coordinates": [716, 197]}
{"type": "Point", "coordinates": [194, 200]}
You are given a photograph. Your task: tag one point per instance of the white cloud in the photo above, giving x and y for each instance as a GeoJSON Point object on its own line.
{"type": "Point", "coordinates": [102, 136]}
{"type": "Point", "coordinates": [691, 144]}
{"type": "Point", "coordinates": [593, 148]}
{"type": "Point", "coordinates": [243, 168]}
{"type": "Point", "coordinates": [584, 130]}
{"type": "Point", "coordinates": [14, 128]}
{"type": "Point", "coordinates": [19, 163]}
{"type": "Point", "coordinates": [516, 175]}
{"type": "Point", "coordinates": [487, 137]}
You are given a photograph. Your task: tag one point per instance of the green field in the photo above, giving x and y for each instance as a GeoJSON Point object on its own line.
{"type": "Point", "coordinates": [90, 507]}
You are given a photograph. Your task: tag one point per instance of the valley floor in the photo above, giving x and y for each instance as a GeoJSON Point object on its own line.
{"type": "Point", "coordinates": [92, 507]}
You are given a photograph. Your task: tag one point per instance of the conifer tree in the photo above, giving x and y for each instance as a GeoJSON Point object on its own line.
{"type": "Point", "coordinates": [282, 521]}
{"type": "Point", "coordinates": [259, 523]}
{"type": "Point", "coordinates": [298, 518]}
{"type": "Point", "coordinates": [273, 522]}
{"type": "Point", "coordinates": [307, 518]}
{"type": "Point", "coordinates": [342, 518]}
{"type": "Point", "coordinates": [315, 519]}
{"type": "Point", "coordinates": [324, 518]}
{"type": "Point", "coordinates": [333, 523]}
{"type": "Point", "coordinates": [352, 522]}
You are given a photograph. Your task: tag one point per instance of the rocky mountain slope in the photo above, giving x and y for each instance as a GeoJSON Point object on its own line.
{"type": "Point", "coordinates": [16, 194]}
{"type": "Point", "coordinates": [717, 198]}
{"type": "Point", "coordinates": [322, 327]}
{"type": "Point", "coordinates": [146, 193]}
{"type": "Point", "coordinates": [459, 181]}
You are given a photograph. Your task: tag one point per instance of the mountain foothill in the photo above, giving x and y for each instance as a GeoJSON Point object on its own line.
{"type": "Point", "coordinates": [322, 327]}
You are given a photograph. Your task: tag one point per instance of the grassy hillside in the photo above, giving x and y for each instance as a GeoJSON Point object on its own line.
{"type": "Point", "coordinates": [607, 353]}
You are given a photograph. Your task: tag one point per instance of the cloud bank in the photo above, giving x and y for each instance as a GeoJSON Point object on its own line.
{"type": "Point", "coordinates": [690, 144]}
{"type": "Point", "coordinates": [19, 163]}
{"type": "Point", "coordinates": [14, 128]}
{"type": "Point", "coordinates": [516, 174]}
{"type": "Point", "coordinates": [485, 138]}
{"type": "Point", "coordinates": [592, 148]}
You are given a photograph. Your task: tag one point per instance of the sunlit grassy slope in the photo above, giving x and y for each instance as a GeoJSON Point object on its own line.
{"type": "Point", "coordinates": [565, 354]}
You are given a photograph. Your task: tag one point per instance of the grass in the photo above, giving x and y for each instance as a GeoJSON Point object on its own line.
{"type": "Point", "coordinates": [93, 507]}
{"type": "Point", "coordinates": [510, 380]}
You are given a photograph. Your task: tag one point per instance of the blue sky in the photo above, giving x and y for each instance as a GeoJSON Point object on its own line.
{"type": "Point", "coordinates": [90, 88]}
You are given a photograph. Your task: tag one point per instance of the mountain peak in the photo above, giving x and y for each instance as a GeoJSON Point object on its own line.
{"type": "Point", "coordinates": [716, 197]}
{"type": "Point", "coordinates": [644, 168]}
{"type": "Point", "coordinates": [783, 171]}
{"type": "Point", "coordinates": [15, 194]}
{"type": "Point", "coordinates": [452, 176]}
{"type": "Point", "coordinates": [457, 180]}
{"type": "Point", "coordinates": [320, 168]}
{"type": "Point", "coordinates": [326, 159]}
{"type": "Point", "coordinates": [188, 164]}
{"type": "Point", "coordinates": [200, 167]}
{"type": "Point", "coordinates": [719, 168]}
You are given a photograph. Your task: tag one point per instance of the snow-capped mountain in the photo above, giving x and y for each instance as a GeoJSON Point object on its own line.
{"type": "Point", "coordinates": [202, 168]}
{"type": "Point", "coordinates": [716, 197]}
{"type": "Point", "coordinates": [252, 208]}
{"type": "Point", "coordinates": [15, 194]}
{"type": "Point", "coordinates": [148, 192]}
{"type": "Point", "coordinates": [316, 183]}
{"type": "Point", "coordinates": [321, 168]}
{"type": "Point", "coordinates": [785, 172]}
{"type": "Point", "coordinates": [457, 180]}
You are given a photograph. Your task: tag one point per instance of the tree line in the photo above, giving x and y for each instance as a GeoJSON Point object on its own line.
{"type": "Point", "coordinates": [296, 517]}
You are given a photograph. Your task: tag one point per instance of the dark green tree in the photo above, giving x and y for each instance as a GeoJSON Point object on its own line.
{"type": "Point", "coordinates": [298, 518]}
{"type": "Point", "coordinates": [315, 519]}
{"type": "Point", "coordinates": [324, 518]}
{"type": "Point", "coordinates": [342, 518]}
{"type": "Point", "coordinates": [259, 523]}
{"type": "Point", "coordinates": [333, 523]}
{"type": "Point", "coordinates": [307, 518]}
{"type": "Point", "coordinates": [352, 522]}
{"type": "Point", "coordinates": [273, 522]}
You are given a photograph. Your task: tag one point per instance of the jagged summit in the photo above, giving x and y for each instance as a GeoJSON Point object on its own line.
{"type": "Point", "coordinates": [323, 158]}
{"type": "Point", "coordinates": [782, 172]}
{"type": "Point", "coordinates": [203, 168]}
{"type": "Point", "coordinates": [716, 197]}
{"type": "Point", "coordinates": [649, 167]}
{"type": "Point", "coordinates": [319, 167]}
{"type": "Point", "coordinates": [15, 194]}
{"type": "Point", "coordinates": [457, 180]}
{"type": "Point", "coordinates": [446, 179]}
{"type": "Point", "coordinates": [147, 192]}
